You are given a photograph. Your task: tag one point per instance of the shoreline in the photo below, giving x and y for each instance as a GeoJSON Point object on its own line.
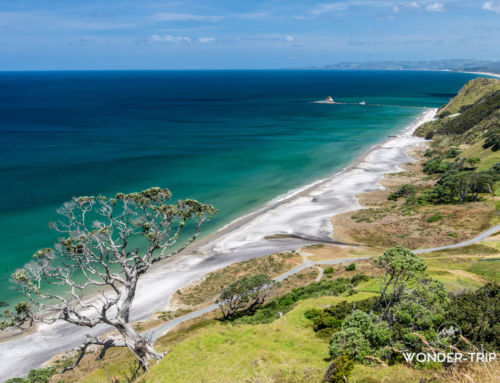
{"type": "Point", "coordinates": [496, 75]}
{"type": "Point", "coordinates": [304, 212]}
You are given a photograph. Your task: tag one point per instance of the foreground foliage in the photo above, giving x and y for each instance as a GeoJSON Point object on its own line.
{"type": "Point", "coordinates": [278, 306]}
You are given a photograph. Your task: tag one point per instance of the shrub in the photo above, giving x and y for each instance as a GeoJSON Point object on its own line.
{"type": "Point", "coordinates": [328, 270]}
{"type": "Point", "coordinates": [436, 217]}
{"type": "Point", "coordinates": [312, 313]}
{"type": "Point", "coordinates": [473, 161]}
{"type": "Point", "coordinates": [428, 153]}
{"type": "Point", "coordinates": [476, 313]}
{"type": "Point", "coordinates": [339, 370]}
{"type": "Point", "coordinates": [452, 152]}
{"type": "Point", "coordinates": [40, 375]}
{"type": "Point", "coordinates": [358, 278]}
{"type": "Point", "coordinates": [422, 306]}
{"type": "Point", "coordinates": [351, 267]}
{"type": "Point", "coordinates": [361, 335]}
{"type": "Point", "coordinates": [271, 310]}
{"type": "Point", "coordinates": [436, 165]}
{"type": "Point", "coordinates": [325, 320]}
{"type": "Point", "coordinates": [404, 190]}
{"type": "Point", "coordinates": [492, 140]}
{"type": "Point", "coordinates": [496, 168]}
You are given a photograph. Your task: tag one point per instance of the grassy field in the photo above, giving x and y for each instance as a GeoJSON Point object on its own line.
{"type": "Point", "coordinates": [205, 290]}
{"type": "Point", "coordinates": [286, 350]}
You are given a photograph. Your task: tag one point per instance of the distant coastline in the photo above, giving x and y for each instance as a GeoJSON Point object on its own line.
{"type": "Point", "coordinates": [453, 65]}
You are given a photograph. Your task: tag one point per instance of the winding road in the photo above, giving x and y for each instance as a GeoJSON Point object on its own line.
{"type": "Point", "coordinates": [36, 359]}
{"type": "Point", "coordinates": [162, 329]}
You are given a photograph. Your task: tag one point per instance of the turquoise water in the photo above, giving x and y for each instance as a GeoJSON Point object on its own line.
{"type": "Point", "coordinates": [234, 139]}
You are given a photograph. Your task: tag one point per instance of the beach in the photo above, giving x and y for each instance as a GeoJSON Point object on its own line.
{"type": "Point", "coordinates": [300, 217]}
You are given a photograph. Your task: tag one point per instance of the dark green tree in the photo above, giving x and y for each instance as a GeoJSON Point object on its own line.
{"type": "Point", "coordinates": [246, 293]}
{"type": "Point", "coordinates": [400, 266]}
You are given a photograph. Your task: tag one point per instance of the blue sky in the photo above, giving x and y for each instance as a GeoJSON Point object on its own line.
{"type": "Point", "coordinates": [150, 34]}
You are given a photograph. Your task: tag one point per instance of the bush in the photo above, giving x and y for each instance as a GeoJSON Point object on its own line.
{"type": "Point", "coordinates": [339, 370]}
{"type": "Point", "coordinates": [436, 217]}
{"type": "Point", "coordinates": [351, 267]}
{"type": "Point", "coordinates": [328, 270]}
{"type": "Point", "coordinates": [496, 168]}
{"type": "Point", "coordinates": [325, 320]}
{"type": "Point", "coordinates": [271, 310]}
{"type": "Point", "coordinates": [358, 278]}
{"type": "Point", "coordinates": [404, 190]}
{"type": "Point", "coordinates": [312, 313]}
{"type": "Point", "coordinates": [476, 313]}
{"type": "Point", "coordinates": [40, 375]}
{"type": "Point", "coordinates": [492, 140]}
{"type": "Point", "coordinates": [362, 334]}
{"type": "Point", "coordinates": [452, 152]}
{"type": "Point", "coordinates": [436, 165]}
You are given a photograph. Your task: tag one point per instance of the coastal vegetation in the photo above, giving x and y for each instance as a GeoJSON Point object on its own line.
{"type": "Point", "coordinates": [245, 294]}
{"type": "Point", "coordinates": [286, 348]}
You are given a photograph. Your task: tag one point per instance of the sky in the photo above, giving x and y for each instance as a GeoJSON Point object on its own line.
{"type": "Point", "coordinates": [250, 34]}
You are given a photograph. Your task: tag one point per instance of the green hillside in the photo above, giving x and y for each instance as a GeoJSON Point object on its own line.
{"type": "Point", "coordinates": [469, 116]}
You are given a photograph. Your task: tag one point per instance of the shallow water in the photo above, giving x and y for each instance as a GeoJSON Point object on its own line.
{"type": "Point", "coordinates": [235, 139]}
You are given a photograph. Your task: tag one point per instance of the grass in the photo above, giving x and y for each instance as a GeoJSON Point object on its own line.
{"type": "Point", "coordinates": [473, 373]}
{"type": "Point", "coordinates": [369, 215]}
{"type": "Point", "coordinates": [470, 93]}
{"type": "Point", "coordinates": [284, 350]}
{"type": "Point", "coordinates": [208, 288]}
{"type": "Point", "coordinates": [393, 374]}
{"type": "Point", "coordinates": [487, 156]}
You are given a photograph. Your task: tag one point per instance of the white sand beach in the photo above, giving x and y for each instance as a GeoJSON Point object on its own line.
{"type": "Point", "coordinates": [299, 217]}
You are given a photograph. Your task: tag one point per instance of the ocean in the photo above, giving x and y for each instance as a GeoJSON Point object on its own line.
{"type": "Point", "coordinates": [235, 139]}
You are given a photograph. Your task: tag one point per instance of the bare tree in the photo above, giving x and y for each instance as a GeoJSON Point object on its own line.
{"type": "Point", "coordinates": [107, 245]}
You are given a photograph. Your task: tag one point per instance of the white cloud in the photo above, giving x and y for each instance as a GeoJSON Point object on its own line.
{"type": "Point", "coordinates": [252, 16]}
{"type": "Point", "coordinates": [289, 38]}
{"type": "Point", "coordinates": [491, 6]}
{"type": "Point", "coordinates": [323, 8]}
{"type": "Point", "coordinates": [330, 7]}
{"type": "Point", "coordinates": [155, 39]}
{"type": "Point", "coordinates": [166, 16]}
{"type": "Point", "coordinates": [413, 4]}
{"type": "Point", "coordinates": [206, 40]}
{"type": "Point", "coordinates": [435, 7]}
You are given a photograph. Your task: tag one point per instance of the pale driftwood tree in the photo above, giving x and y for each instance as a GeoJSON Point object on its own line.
{"type": "Point", "coordinates": [107, 245]}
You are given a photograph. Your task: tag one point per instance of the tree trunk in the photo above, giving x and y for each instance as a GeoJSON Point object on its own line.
{"type": "Point", "coordinates": [141, 348]}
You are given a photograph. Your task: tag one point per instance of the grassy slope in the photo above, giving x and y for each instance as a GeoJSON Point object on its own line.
{"type": "Point", "coordinates": [468, 103]}
{"type": "Point", "coordinates": [283, 351]}
{"type": "Point", "coordinates": [471, 92]}
{"type": "Point", "coordinates": [286, 350]}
